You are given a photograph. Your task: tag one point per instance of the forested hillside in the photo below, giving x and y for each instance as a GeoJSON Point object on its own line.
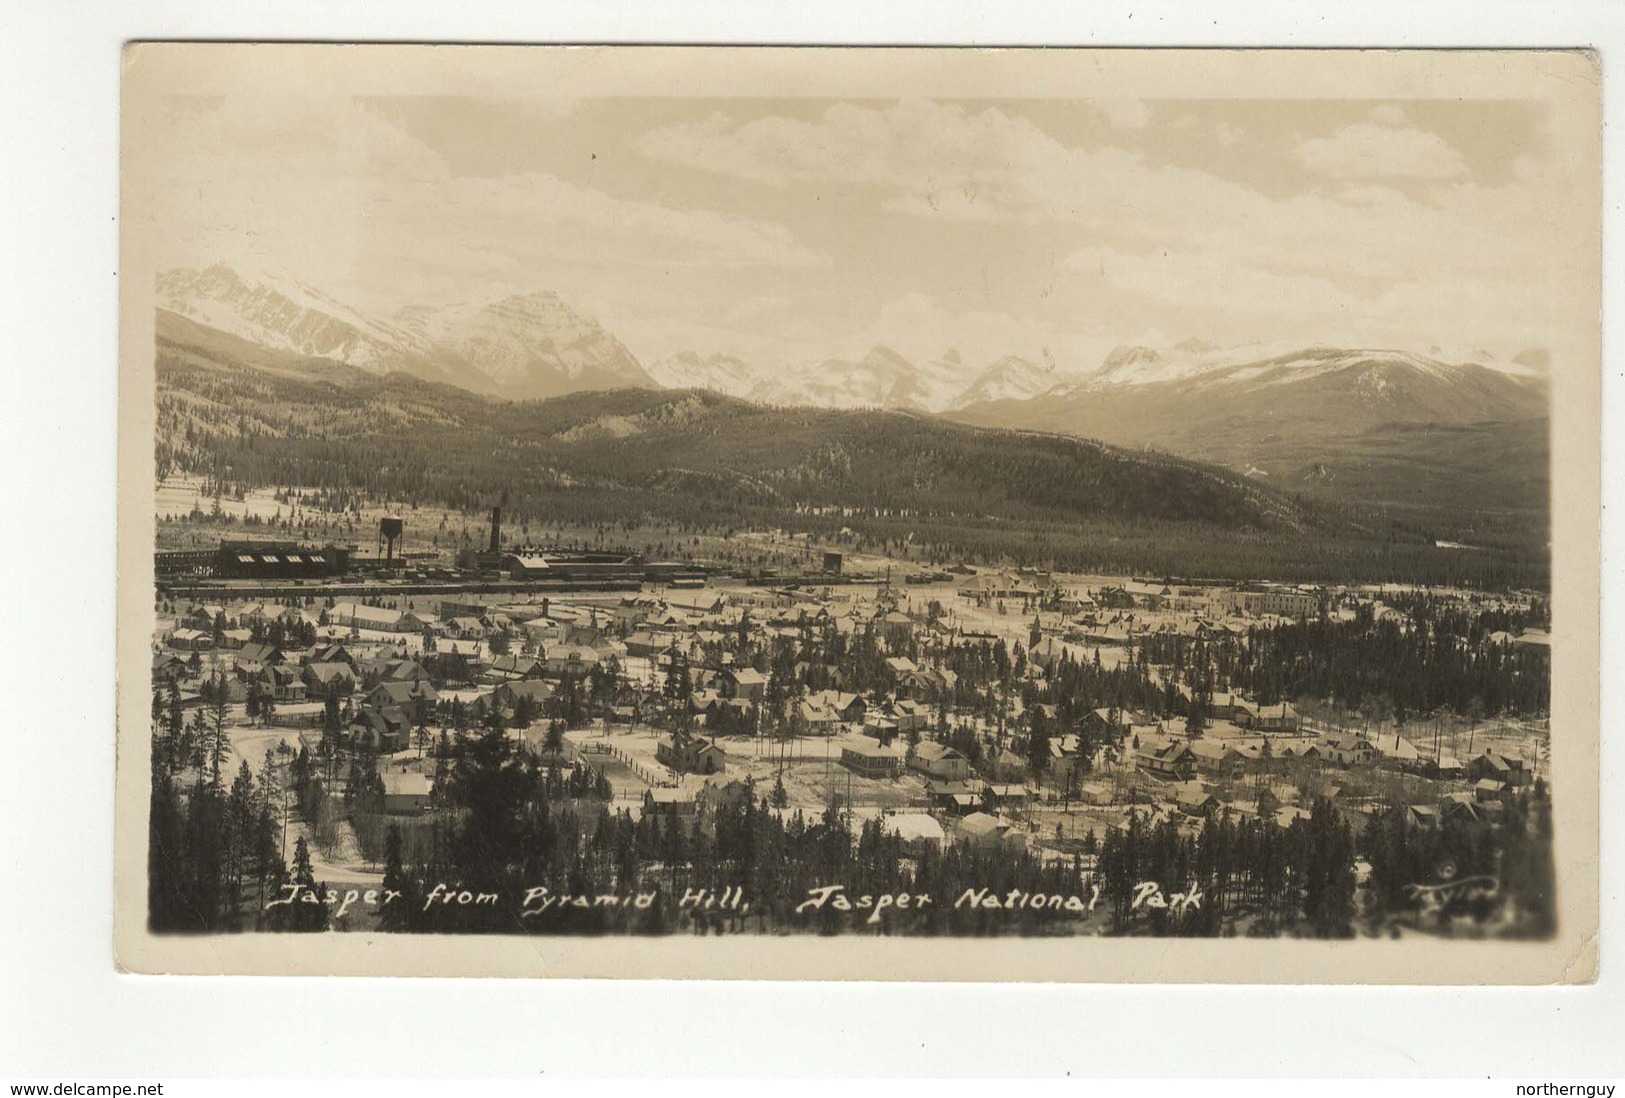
{"type": "Point", "coordinates": [245, 416]}
{"type": "Point", "coordinates": [1460, 447]}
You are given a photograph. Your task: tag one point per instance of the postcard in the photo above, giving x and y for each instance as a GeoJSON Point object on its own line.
{"type": "Point", "coordinates": [874, 514]}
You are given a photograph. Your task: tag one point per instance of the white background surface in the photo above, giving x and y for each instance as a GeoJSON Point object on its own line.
{"type": "Point", "coordinates": [65, 1013]}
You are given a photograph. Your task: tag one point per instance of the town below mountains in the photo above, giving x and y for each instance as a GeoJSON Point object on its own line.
{"type": "Point", "coordinates": [1421, 437]}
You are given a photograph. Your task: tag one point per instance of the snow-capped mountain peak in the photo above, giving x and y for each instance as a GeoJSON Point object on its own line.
{"type": "Point", "coordinates": [286, 314]}
{"type": "Point", "coordinates": [720, 373]}
{"type": "Point", "coordinates": [1010, 378]}
{"type": "Point", "coordinates": [522, 346]}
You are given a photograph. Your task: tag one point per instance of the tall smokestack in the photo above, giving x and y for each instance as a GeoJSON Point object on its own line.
{"type": "Point", "coordinates": [496, 529]}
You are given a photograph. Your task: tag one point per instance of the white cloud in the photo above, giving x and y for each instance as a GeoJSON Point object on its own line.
{"type": "Point", "coordinates": [1390, 114]}
{"type": "Point", "coordinates": [1203, 280]}
{"type": "Point", "coordinates": [1367, 194]}
{"type": "Point", "coordinates": [938, 156]}
{"type": "Point", "coordinates": [1125, 114]}
{"type": "Point", "coordinates": [1363, 256]}
{"type": "Point", "coordinates": [760, 305]}
{"type": "Point", "coordinates": [333, 191]}
{"type": "Point", "coordinates": [1382, 148]}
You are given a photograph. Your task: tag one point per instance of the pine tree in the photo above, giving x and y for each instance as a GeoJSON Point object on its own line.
{"type": "Point", "coordinates": [1038, 742]}
{"type": "Point", "coordinates": [309, 908]}
{"type": "Point", "coordinates": [398, 913]}
{"type": "Point", "coordinates": [217, 730]}
{"type": "Point", "coordinates": [1195, 718]}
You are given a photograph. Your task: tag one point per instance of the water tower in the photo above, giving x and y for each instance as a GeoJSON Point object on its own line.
{"type": "Point", "coordinates": [389, 533]}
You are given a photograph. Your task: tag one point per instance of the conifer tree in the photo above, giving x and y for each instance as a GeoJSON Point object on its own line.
{"type": "Point", "coordinates": [398, 913]}
{"type": "Point", "coordinates": [1038, 742]}
{"type": "Point", "coordinates": [309, 908]}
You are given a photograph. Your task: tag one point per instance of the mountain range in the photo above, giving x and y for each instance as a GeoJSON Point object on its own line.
{"type": "Point", "coordinates": [1363, 425]}
{"type": "Point", "coordinates": [521, 347]}
{"type": "Point", "coordinates": [704, 461]}
{"type": "Point", "coordinates": [1357, 424]}
{"type": "Point", "coordinates": [537, 345]}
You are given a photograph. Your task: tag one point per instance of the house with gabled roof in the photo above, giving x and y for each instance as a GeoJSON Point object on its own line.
{"type": "Point", "coordinates": [465, 628]}
{"type": "Point", "coordinates": [1195, 802]}
{"type": "Point", "coordinates": [701, 601]}
{"type": "Point", "coordinates": [253, 658]}
{"type": "Point", "coordinates": [1102, 723]}
{"type": "Point", "coordinates": [400, 670]}
{"type": "Point", "coordinates": [813, 718]}
{"type": "Point", "coordinates": [329, 680]}
{"type": "Point", "coordinates": [691, 755]}
{"type": "Point", "coordinates": [900, 666]}
{"type": "Point", "coordinates": [331, 653]}
{"type": "Point", "coordinates": [508, 694]}
{"type": "Point", "coordinates": [1048, 654]}
{"type": "Point", "coordinates": [668, 801]}
{"type": "Point", "coordinates": [407, 695]}
{"type": "Point", "coordinates": [917, 831]}
{"type": "Point", "coordinates": [207, 616]}
{"type": "Point", "coordinates": [281, 681]}
{"type": "Point", "coordinates": [512, 668]}
{"type": "Point", "coordinates": [847, 707]}
{"type": "Point", "coordinates": [1423, 817]}
{"type": "Point", "coordinates": [1444, 765]}
{"type": "Point", "coordinates": [407, 792]}
{"type": "Point", "coordinates": [1506, 769]}
{"type": "Point", "coordinates": [872, 760]}
{"type": "Point", "coordinates": [1460, 806]}
{"type": "Point", "coordinates": [1217, 758]}
{"type": "Point", "coordinates": [1169, 759]}
{"type": "Point", "coordinates": [744, 683]}
{"type": "Point", "coordinates": [1281, 717]}
{"type": "Point", "coordinates": [649, 643]}
{"type": "Point", "coordinates": [939, 761]}
{"type": "Point", "coordinates": [1348, 749]}
{"type": "Point", "coordinates": [191, 640]}
{"type": "Point", "coordinates": [355, 615]}
{"type": "Point", "coordinates": [574, 660]}
{"type": "Point", "coordinates": [910, 716]}
{"type": "Point", "coordinates": [384, 731]}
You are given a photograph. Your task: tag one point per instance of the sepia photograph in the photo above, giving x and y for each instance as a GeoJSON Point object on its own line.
{"type": "Point", "coordinates": [935, 514]}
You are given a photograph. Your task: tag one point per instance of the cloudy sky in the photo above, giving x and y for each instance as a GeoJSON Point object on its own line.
{"type": "Point", "coordinates": [786, 229]}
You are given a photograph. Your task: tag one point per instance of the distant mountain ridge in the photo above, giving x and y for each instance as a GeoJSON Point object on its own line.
{"type": "Point", "coordinates": [526, 346]}
{"type": "Point", "coordinates": [718, 373]}
{"type": "Point", "coordinates": [885, 378]}
{"type": "Point", "coordinates": [1325, 420]}
{"type": "Point", "coordinates": [537, 345]}
{"type": "Point", "coordinates": [278, 418]}
{"type": "Point", "coordinates": [1329, 390]}
{"type": "Point", "coordinates": [1319, 420]}
{"type": "Point", "coordinates": [1010, 378]}
{"type": "Point", "coordinates": [285, 314]}
{"type": "Point", "coordinates": [520, 347]}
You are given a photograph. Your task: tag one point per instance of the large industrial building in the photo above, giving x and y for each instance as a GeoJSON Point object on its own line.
{"type": "Point", "coordinates": [246, 559]}
{"type": "Point", "coordinates": [540, 563]}
{"type": "Point", "coordinates": [1286, 602]}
